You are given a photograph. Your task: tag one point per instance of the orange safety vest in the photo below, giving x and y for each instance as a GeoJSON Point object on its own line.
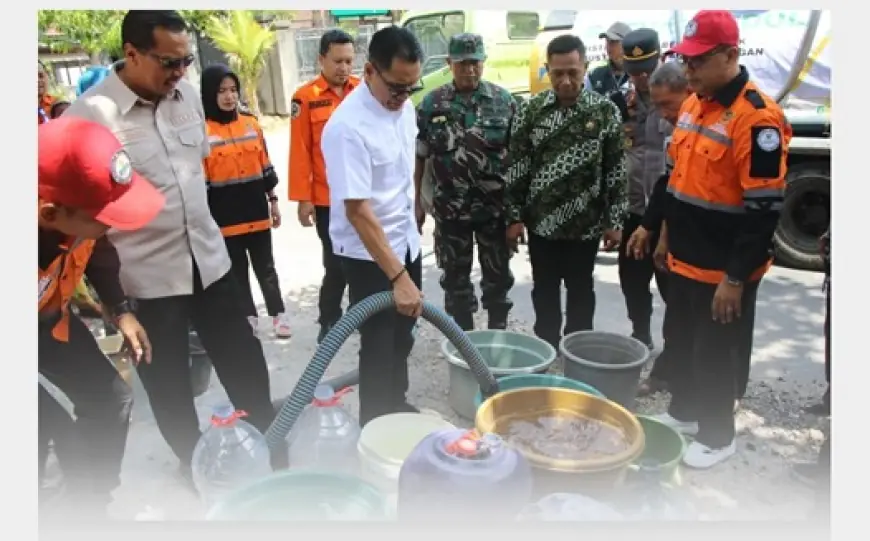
{"type": "Point", "coordinates": [236, 171]}
{"type": "Point", "coordinates": [44, 113]}
{"type": "Point", "coordinates": [729, 156]}
{"type": "Point", "coordinates": [312, 105]}
{"type": "Point", "coordinates": [58, 282]}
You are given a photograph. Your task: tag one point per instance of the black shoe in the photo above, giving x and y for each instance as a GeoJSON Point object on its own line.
{"type": "Point", "coordinates": [184, 474]}
{"type": "Point", "coordinates": [465, 321]}
{"type": "Point", "coordinates": [497, 321]}
{"type": "Point", "coordinates": [823, 408]}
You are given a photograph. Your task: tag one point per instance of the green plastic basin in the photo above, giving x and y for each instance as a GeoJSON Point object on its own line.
{"type": "Point", "coordinates": [522, 381]}
{"type": "Point", "coordinates": [663, 451]}
{"type": "Point", "coordinates": [506, 353]}
{"type": "Point", "coordinates": [304, 496]}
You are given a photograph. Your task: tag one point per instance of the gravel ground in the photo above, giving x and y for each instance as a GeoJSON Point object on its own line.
{"type": "Point", "coordinates": [755, 484]}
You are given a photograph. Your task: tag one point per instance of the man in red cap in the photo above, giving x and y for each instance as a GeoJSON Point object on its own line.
{"type": "Point", "coordinates": [86, 186]}
{"type": "Point", "coordinates": [729, 149]}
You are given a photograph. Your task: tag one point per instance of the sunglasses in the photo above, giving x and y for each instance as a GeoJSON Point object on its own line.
{"type": "Point", "coordinates": [698, 61]}
{"type": "Point", "coordinates": [168, 63]}
{"type": "Point", "coordinates": [396, 90]}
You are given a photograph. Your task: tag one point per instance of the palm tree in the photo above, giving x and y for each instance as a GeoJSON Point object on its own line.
{"type": "Point", "coordinates": [246, 44]}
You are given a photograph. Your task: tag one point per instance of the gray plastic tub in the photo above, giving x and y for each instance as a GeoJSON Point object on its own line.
{"type": "Point", "coordinates": [610, 362]}
{"type": "Point", "coordinates": [506, 353]}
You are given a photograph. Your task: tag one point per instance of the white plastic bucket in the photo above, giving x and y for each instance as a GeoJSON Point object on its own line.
{"type": "Point", "coordinates": [386, 442]}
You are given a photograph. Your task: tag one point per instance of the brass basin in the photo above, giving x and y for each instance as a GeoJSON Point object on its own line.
{"type": "Point", "coordinates": [497, 413]}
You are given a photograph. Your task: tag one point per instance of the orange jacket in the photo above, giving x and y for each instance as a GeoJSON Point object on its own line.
{"type": "Point", "coordinates": [312, 105]}
{"type": "Point", "coordinates": [726, 189]}
{"type": "Point", "coordinates": [239, 175]}
{"type": "Point", "coordinates": [44, 112]}
{"type": "Point", "coordinates": [62, 263]}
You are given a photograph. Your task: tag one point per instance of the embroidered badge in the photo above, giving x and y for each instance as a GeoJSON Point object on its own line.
{"type": "Point", "coordinates": [295, 109]}
{"type": "Point", "coordinates": [121, 168]}
{"type": "Point", "coordinates": [768, 140]}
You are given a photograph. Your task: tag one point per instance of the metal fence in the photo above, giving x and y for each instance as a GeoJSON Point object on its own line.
{"type": "Point", "coordinates": [308, 50]}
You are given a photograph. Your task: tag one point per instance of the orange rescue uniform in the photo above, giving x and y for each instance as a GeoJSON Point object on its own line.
{"type": "Point", "coordinates": [44, 112]}
{"type": "Point", "coordinates": [62, 264]}
{"type": "Point", "coordinates": [728, 183]}
{"type": "Point", "coordinates": [239, 175]}
{"type": "Point", "coordinates": [312, 105]}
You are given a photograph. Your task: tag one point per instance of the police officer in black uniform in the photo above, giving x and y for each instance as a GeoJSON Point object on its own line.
{"type": "Point", "coordinates": [605, 79]}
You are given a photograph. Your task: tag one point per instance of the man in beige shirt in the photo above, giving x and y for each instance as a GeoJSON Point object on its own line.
{"type": "Point", "coordinates": [177, 268]}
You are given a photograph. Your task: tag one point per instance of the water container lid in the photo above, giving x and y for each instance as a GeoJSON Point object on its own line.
{"type": "Point", "coordinates": [225, 415]}
{"type": "Point", "coordinates": [472, 445]}
{"type": "Point", "coordinates": [325, 396]}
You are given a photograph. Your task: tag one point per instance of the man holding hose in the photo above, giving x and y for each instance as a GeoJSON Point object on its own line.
{"type": "Point", "coordinates": [368, 147]}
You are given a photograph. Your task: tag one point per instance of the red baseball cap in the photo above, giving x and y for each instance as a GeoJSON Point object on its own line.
{"type": "Point", "coordinates": [82, 165]}
{"type": "Point", "coordinates": [707, 30]}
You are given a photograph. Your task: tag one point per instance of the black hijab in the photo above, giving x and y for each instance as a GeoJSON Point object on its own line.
{"type": "Point", "coordinates": [210, 84]}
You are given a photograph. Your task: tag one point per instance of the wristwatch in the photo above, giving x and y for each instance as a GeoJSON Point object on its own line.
{"type": "Point", "coordinates": [123, 307]}
{"type": "Point", "coordinates": [733, 281]}
{"type": "Point", "coordinates": [273, 198]}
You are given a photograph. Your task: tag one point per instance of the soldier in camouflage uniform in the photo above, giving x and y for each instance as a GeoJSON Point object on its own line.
{"type": "Point", "coordinates": [567, 185]}
{"type": "Point", "coordinates": [463, 128]}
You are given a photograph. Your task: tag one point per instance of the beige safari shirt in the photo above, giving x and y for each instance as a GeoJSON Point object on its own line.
{"type": "Point", "coordinates": [166, 144]}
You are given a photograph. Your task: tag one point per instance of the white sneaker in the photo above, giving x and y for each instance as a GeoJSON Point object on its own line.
{"type": "Point", "coordinates": [255, 323]}
{"type": "Point", "coordinates": [701, 457]}
{"type": "Point", "coordinates": [683, 427]}
{"type": "Point", "coordinates": [281, 324]}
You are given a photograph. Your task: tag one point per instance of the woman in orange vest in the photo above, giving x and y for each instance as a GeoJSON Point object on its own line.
{"type": "Point", "coordinates": [86, 186]}
{"type": "Point", "coordinates": [44, 100]}
{"type": "Point", "coordinates": [241, 193]}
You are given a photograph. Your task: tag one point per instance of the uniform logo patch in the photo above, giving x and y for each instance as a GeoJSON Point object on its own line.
{"type": "Point", "coordinates": [295, 109]}
{"type": "Point", "coordinates": [637, 51]}
{"type": "Point", "coordinates": [44, 282]}
{"type": "Point", "coordinates": [768, 140]}
{"type": "Point", "coordinates": [121, 168]}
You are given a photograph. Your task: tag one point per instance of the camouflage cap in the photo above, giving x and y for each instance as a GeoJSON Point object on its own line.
{"type": "Point", "coordinates": [466, 47]}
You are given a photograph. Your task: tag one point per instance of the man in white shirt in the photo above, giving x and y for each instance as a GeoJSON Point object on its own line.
{"type": "Point", "coordinates": [368, 147]}
{"type": "Point", "coordinates": [177, 268]}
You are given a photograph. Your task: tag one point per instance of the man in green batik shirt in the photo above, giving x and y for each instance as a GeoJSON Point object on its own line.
{"type": "Point", "coordinates": [567, 185]}
{"type": "Point", "coordinates": [463, 129]}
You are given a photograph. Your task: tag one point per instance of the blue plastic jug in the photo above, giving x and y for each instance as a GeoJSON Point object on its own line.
{"type": "Point", "coordinates": [456, 474]}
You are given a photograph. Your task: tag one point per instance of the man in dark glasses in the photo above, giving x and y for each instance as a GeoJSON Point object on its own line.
{"type": "Point", "coordinates": [176, 269]}
{"type": "Point", "coordinates": [368, 149]}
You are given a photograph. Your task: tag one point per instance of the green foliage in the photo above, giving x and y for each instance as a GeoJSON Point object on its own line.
{"type": "Point", "coordinates": [247, 44]}
{"type": "Point", "coordinates": [91, 29]}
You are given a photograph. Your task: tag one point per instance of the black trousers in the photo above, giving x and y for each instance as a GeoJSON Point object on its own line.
{"type": "Point", "coordinates": [710, 359]}
{"type": "Point", "coordinates": [218, 317]}
{"type": "Point", "coordinates": [333, 284]}
{"type": "Point", "coordinates": [634, 279]}
{"type": "Point", "coordinates": [92, 447]}
{"type": "Point", "coordinates": [386, 340]}
{"type": "Point", "coordinates": [554, 262]}
{"type": "Point", "coordinates": [256, 248]}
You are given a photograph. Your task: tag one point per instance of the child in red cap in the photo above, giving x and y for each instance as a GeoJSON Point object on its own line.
{"type": "Point", "coordinates": [86, 186]}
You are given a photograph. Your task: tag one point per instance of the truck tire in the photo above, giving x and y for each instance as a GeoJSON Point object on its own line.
{"type": "Point", "coordinates": [805, 216]}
